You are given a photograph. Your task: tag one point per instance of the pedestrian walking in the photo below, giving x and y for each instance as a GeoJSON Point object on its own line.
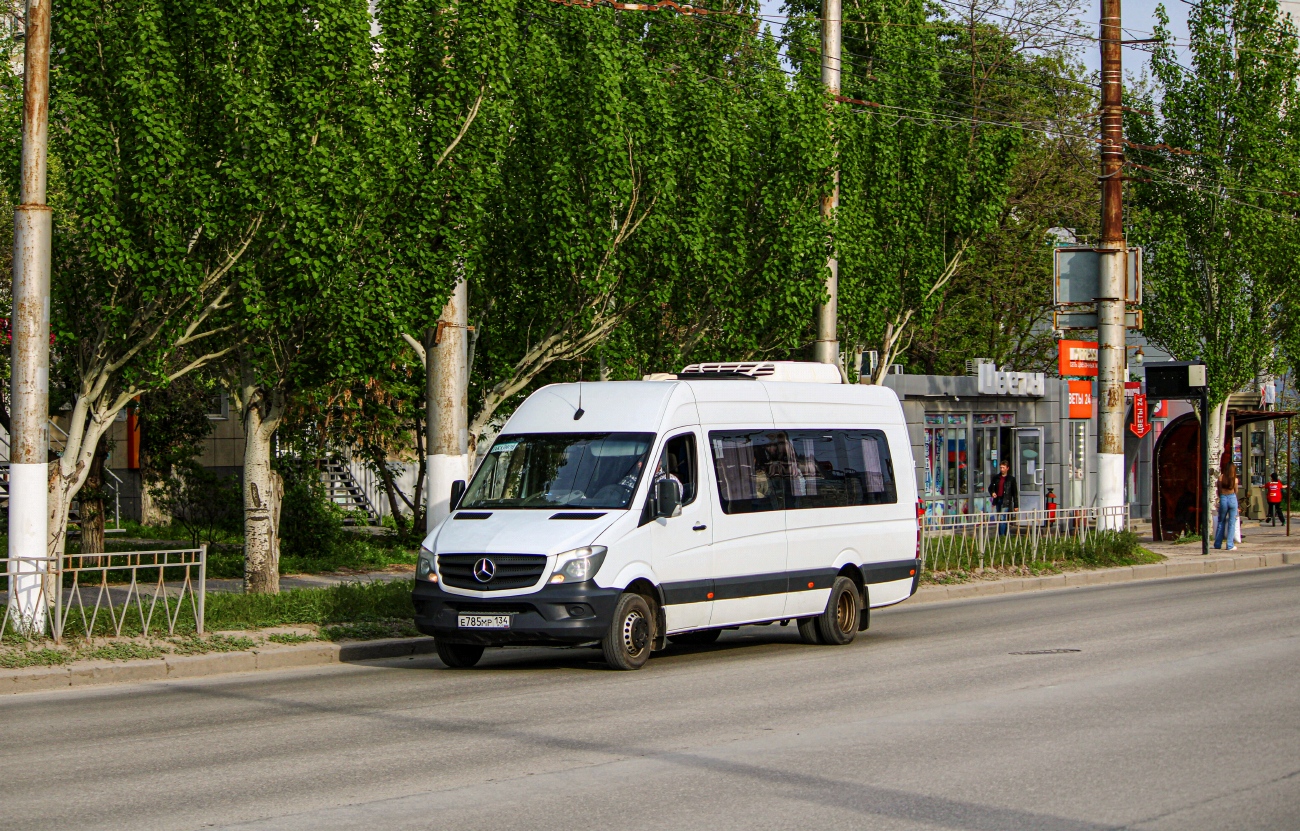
{"type": "Point", "coordinates": [1005, 495]}
{"type": "Point", "coordinates": [1227, 488]}
{"type": "Point", "coordinates": [1273, 493]}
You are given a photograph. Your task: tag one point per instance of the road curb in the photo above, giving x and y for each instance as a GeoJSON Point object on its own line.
{"type": "Point", "coordinates": [1123, 574]}
{"type": "Point", "coordinates": [264, 657]}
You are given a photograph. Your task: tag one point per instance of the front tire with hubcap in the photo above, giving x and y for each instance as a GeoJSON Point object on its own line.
{"type": "Point", "coordinates": [458, 655]}
{"type": "Point", "coordinates": [630, 638]}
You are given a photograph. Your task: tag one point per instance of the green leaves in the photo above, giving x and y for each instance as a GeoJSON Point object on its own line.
{"type": "Point", "coordinates": [1220, 236]}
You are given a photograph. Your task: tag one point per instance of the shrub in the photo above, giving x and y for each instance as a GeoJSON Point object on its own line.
{"type": "Point", "coordinates": [206, 506]}
{"type": "Point", "coordinates": [311, 526]}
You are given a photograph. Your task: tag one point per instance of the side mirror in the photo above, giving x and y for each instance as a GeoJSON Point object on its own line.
{"type": "Point", "coordinates": [457, 492]}
{"type": "Point", "coordinates": [668, 501]}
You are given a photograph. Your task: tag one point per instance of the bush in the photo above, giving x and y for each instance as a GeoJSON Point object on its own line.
{"type": "Point", "coordinates": [206, 506]}
{"type": "Point", "coordinates": [311, 526]}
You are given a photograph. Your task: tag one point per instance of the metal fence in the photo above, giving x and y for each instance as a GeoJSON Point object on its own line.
{"type": "Point", "coordinates": [963, 542]}
{"type": "Point", "coordinates": [89, 595]}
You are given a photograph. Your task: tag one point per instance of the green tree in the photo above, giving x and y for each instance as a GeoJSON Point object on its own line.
{"type": "Point", "coordinates": [1215, 207]}
{"type": "Point", "coordinates": [658, 199]}
{"type": "Point", "coordinates": [921, 180]}
{"type": "Point", "coordinates": [162, 143]}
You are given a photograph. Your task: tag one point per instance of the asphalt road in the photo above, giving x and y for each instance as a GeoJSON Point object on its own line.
{"type": "Point", "coordinates": [1180, 710]}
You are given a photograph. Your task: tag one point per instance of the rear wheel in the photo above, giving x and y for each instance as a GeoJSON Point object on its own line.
{"type": "Point", "coordinates": [808, 632]}
{"type": "Point", "coordinates": [458, 655]}
{"type": "Point", "coordinates": [630, 638]}
{"type": "Point", "coordinates": [839, 623]}
{"type": "Point", "coordinates": [704, 637]}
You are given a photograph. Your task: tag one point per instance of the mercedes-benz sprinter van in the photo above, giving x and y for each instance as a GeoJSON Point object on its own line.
{"type": "Point", "coordinates": [633, 513]}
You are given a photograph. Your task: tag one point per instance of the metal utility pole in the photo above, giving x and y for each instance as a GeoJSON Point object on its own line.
{"type": "Point", "coordinates": [827, 349]}
{"type": "Point", "coordinates": [1112, 355]}
{"type": "Point", "coordinates": [447, 400]}
{"type": "Point", "coordinates": [29, 391]}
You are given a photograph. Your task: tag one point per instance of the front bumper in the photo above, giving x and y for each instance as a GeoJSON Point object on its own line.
{"type": "Point", "coordinates": [555, 614]}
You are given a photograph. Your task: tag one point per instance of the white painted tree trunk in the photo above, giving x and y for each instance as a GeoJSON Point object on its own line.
{"type": "Point", "coordinates": [263, 490]}
{"type": "Point", "coordinates": [447, 400]}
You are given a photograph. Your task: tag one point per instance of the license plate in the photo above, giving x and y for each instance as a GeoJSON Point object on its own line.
{"type": "Point", "coordinates": [483, 621]}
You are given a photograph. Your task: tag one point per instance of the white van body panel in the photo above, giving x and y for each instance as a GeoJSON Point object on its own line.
{"type": "Point", "coordinates": [887, 594]}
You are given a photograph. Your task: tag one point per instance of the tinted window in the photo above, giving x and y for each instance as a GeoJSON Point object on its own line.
{"type": "Point", "coordinates": [772, 470]}
{"type": "Point", "coordinates": [868, 468]}
{"type": "Point", "coordinates": [753, 470]}
{"type": "Point", "coordinates": [547, 470]}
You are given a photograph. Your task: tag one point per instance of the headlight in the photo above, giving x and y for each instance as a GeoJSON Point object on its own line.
{"type": "Point", "coordinates": [578, 565]}
{"type": "Point", "coordinates": [424, 569]}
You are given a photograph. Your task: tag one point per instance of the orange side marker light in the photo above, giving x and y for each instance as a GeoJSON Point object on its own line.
{"type": "Point", "coordinates": [710, 595]}
{"type": "Point", "coordinates": [810, 585]}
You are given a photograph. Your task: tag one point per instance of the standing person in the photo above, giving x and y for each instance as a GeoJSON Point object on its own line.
{"type": "Point", "coordinates": [1227, 488]}
{"type": "Point", "coordinates": [1005, 494]}
{"type": "Point", "coordinates": [1273, 492]}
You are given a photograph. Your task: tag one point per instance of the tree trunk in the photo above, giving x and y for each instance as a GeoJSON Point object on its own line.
{"type": "Point", "coordinates": [390, 490]}
{"type": "Point", "coordinates": [263, 489]}
{"type": "Point", "coordinates": [92, 506]}
{"type": "Point", "coordinates": [151, 513]}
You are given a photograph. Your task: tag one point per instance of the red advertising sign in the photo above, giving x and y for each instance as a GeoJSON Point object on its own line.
{"type": "Point", "coordinates": [1078, 358]}
{"type": "Point", "coordinates": [1080, 399]}
{"type": "Point", "coordinates": [1140, 426]}
{"type": "Point", "coordinates": [1160, 409]}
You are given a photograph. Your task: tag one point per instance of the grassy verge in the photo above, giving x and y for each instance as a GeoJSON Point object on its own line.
{"type": "Point", "coordinates": [354, 554]}
{"type": "Point", "coordinates": [1101, 549]}
{"type": "Point", "coordinates": [351, 611]}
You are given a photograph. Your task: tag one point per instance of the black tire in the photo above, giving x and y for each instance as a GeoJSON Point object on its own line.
{"type": "Point", "coordinates": [704, 637]}
{"type": "Point", "coordinates": [808, 632]}
{"type": "Point", "coordinates": [458, 655]}
{"type": "Point", "coordinates": [631, 633]}
{"type": "Point", "coordinates": [838, 625]}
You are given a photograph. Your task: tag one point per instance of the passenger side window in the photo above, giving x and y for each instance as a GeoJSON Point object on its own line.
{"type": "Point", "coordinates": [868, 468]}
{"type": "Point", "coordinates": [821, 480]}
{"type": "Point", "coordinates": [678, 462]}
{"type": "Point", "coordinates": [754, 469]}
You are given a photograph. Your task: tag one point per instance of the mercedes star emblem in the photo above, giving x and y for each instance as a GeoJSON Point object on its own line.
{"type": "Point", "coordinates": [485, 570]}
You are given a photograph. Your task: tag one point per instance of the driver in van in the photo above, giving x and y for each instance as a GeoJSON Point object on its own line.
{"type": "Point", "coordinates": [667, 464]}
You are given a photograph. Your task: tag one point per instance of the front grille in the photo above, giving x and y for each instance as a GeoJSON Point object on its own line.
{"type": "Point", "coordinates": [512, 571]}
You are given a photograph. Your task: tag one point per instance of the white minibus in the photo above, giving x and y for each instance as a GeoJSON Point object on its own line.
{"type": "Point", "coordinates": [631, 514]}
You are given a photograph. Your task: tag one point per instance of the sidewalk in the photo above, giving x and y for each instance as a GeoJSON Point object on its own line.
{"type": "Point", "coordinates": [1260, 548]}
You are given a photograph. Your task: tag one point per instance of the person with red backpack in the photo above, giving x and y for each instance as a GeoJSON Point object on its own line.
{"type": "Point", "coordinates": [1273, 494]}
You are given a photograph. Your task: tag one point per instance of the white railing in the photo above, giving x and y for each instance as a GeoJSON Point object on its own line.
{"type": "Point", "coordinates": [964, 542]}
{"type": "Point", "coordinates": [90, 595]}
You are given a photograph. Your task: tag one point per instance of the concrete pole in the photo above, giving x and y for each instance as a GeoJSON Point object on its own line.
{"type": "Point", "coordinates": [1112, 354]}
{"type": "Point", "coordinates": [827, 348]}
{"type": "Point", "coordinates": [29, 392]}
{"type": "Point", "coordinates": [447, 399]}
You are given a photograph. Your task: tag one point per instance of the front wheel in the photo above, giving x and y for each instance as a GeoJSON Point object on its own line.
{"type": "Point", "coordinates": [458, 655]}
{"type": "Point", "coordinates": [630, 638]}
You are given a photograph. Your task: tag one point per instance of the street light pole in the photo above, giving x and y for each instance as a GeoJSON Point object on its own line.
{"type": "Point", "coordinates": [827, 348]}
{"type": "Point", "coordinates": [1114, 266]}
{"type": "Point", "coordinates": [30, 328]}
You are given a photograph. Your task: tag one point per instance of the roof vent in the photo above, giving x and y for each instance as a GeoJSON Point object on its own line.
{"type": "Point", "coordinates": [787, 371]}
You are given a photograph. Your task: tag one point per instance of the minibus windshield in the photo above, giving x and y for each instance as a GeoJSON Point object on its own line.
{"type": "Point", "coordinates": [546, 470]}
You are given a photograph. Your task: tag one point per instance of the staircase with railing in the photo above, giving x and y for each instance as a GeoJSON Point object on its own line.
{"type": "Point", "coordinates": [343, 488]}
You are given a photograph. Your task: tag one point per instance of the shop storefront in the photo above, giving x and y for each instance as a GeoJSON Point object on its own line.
{"type": "Point", "coordinates": [963, 427]}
